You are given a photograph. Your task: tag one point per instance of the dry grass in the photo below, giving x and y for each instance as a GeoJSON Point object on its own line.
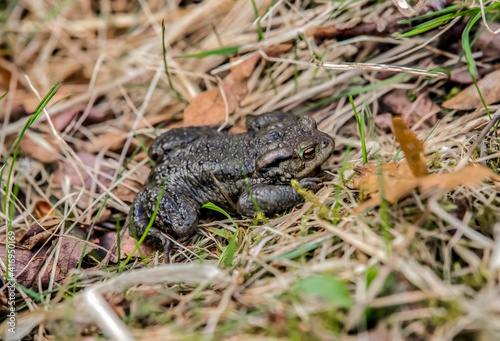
{"type": "Point", "coordinates": [420, 277]}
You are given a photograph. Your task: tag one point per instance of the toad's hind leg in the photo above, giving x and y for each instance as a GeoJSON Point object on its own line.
{"type": "Point", "coordinates": [178, 213]}
{"type": "Point", "coordinates": [139, 221]}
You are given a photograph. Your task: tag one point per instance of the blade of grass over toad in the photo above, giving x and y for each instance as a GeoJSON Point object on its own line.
{"type": "Point", "coordinates": [223, 51]}
{"type": "Point", "coordinates": [5, 94]}
{"type": "Point", "coordinates": [15, 147]}
{"type": "Point", "coordinates": [260, 33]}
{"type": "Point", "coordinates": [151, 221]}
{"type": "Point", "coordinates": [353, 92]}
{"type": "Point", "coordinates": [361, 127]}
{"type": "Point", "coordinates": [216, 208]}
{"type": "Point", "coordinates": [177, 93]}
{"type": "Point", "coordinates": [228, 253]}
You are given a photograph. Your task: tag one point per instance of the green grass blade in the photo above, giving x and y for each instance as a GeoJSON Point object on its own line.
{"type": "Point", "coordinates": [260, 32]}
{"type": "Point", "coordinates": [361, 127]}
{"type": "Point", "coordinates": [446, 10]}
{"type": "Point", "coordinates": [353, 92]}
{"type": "Point", "coordinates": [466, 46]}
{"type": "Point", "coordinates": [216, 208]}
{"type": "Point", "coordinates": [177, 93]}
{"type": "Point", "coordinates": [228, 253]}
{"type": "Point", "coordinates": [15, 147]}
{"type": "Point", "coordinates": [151, 221]}
{"type": "Point", "coordinates": [223, 51]}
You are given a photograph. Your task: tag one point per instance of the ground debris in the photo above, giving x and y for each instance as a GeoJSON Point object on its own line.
{"type": "Point", "coordinates": [469, 99]}
{"type": "Point", "coordinates": [211, 107]}
{"type": "Point", "coordinates": [399, 181]}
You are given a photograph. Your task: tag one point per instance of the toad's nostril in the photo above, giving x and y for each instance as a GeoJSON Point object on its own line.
{"type": "Point", "coordinates": [324, 143]}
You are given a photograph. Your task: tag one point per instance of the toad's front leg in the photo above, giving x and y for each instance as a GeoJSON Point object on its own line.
{"type": "Point", "coordinates": [272, 199]}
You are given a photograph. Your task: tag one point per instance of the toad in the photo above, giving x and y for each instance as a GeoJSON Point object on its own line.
{"type": "Point", "coordinates": [242, 173]}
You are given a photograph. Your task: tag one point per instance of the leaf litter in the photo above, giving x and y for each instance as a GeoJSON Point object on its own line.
{"type": "Point", "coordinates": [422, 276]}
{"type": "Point", "coordinates": [400, 179]}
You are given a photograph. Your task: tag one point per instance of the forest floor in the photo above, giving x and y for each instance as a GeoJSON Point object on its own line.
{"type": "Point", "coordinates": [402, 241]}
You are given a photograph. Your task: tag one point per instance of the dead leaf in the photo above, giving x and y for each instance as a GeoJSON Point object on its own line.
{"type": "Point", "coordinates": [399, 182]}
{"type": "Point", "coordinates": [125, 193]}
{"type": "Point", "coordinates": [382, 27]}
{"type": "Point", "coordinates": [40, 147]}
{"type": "Point", "coordinates": [108, 141]}
{"type": "Point", "coordinates": [468, 98]}
{"type": "Point", "coordinates": [209, 108]}
{"type": "Point", "coordinates": [127, 244]}
{"type": "Point", "coordinates": [398, 103]}
{"type": "Point", "coordinates": [64, 118]}
{"type": "Point", "coordinates": [30, 262]}
{"type": "Point", "coordinates": [489, 43]}
{"type": "Point", "coordinates": [43, 208]}
{"type": "Point", "coordinates": [411, 146]}
{"type": "Point", "coordinates": [383, 121]}
{"type": "Point", "coordinates": [66, 169]}
{"type": "Point", "coordinates": [397, 177]}
{"type": "Point", "coordinates": [461, 75]}
{"type": "Point", "coordinates": [468, 176]}
{"type": "Point", "coordinates": [66, 172]}
{"type": "Point", "coordinates": [39, 233]}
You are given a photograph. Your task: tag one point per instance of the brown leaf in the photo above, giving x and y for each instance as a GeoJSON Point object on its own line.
{"type": "Point", "coordinates": [43, 148]}
{"type": "Point", "coordinates": [411, 146]}
{"type": "Point", "coordinates": [43, 208]}
{"type": "Point", "coordinates": [379, 28]}
{"type": "Point", "coordinates": [399, 182]}
{"type": "Point", "coordinates": [209, 107]}
{"type": "Point", "coordinates": [468, 176]}
{"type": "Point", "coordinates": [30, 262]}
{"type": "Point", "coordinates": [125, 193]}
{"type": "Point", "coordinates": [127, 244]}
{"type": "Point", "coordinates": [39, 233]}
{"type": "Point", "coordinates": [469, 99]}
{"type": "Point", "coordinates": [66, 169]}
{"type": "Point", "coordinates": [398, 103]}
{"type": "Point", "coordinates": [461, 76]}
{"type": "Point", "coordinates": [383, 121]}
{"type": "Point", "coordinates": [397, 179]}
{"type": "Point", "coordinates": [64, 118]}
{"type": "Point", "coordinates": [489, 43]}
{"type": "Point", "coordinates": [107, 141]}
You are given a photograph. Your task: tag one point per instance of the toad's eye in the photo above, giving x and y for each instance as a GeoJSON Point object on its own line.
{"type": "Point", "coordinates": [309, 153]}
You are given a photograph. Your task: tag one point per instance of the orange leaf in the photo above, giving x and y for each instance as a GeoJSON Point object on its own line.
{"type": "Point", "coordinates": [467, 176]}
{"type": "Point", "coordinates": [411, 146]}
{"type": "Point", "coordinates": [43, 208]}
{"type": "Point", "coordinates": [398, 182]}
